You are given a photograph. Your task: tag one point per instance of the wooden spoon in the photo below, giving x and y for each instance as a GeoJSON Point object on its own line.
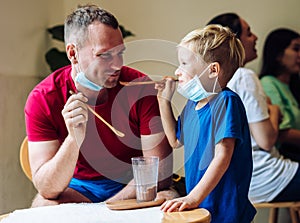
{"type": "Point", "coordinates": [117, 132]}
{"type": "Point", "coordinates": [133, 83]}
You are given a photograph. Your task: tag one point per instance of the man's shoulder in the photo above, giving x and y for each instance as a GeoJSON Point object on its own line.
{"type": "Point", "coordinates": [52, 87]}
{"type": "Point", "coordinates": [55, 80]}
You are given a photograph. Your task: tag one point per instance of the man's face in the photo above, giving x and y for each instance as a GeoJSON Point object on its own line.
{"type": "Point", "coordinates": [101, 56]}
{"type": "Point", "coordinates": [248, 40]}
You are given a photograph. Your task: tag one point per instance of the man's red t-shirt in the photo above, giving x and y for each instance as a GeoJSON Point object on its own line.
{"type": "Point", "coordinates": [132, 110]}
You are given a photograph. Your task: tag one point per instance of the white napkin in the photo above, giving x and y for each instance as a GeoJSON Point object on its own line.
{"type": "Point", "coordinates": [84, 213]}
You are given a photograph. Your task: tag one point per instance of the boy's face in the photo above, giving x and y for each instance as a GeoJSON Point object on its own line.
{"type": "Point", "coordinates": [189, 65]}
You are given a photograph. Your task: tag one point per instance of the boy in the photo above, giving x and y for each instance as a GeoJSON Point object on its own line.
{"type": "Point", "coordinates": [212, 126]}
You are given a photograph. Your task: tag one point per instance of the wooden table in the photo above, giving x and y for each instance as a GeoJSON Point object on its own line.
{"type": "Point", "coordinates": [98, 213]}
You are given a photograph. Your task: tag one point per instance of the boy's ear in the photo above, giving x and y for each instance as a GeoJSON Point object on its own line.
{"type": "Point", "coordinates": [214, 70]}
{"type": "Point", "coordinates": [72, 53]}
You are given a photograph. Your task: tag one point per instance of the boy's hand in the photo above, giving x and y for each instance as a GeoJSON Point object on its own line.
{"type": "Point", "coordinates": [166, 88]}
{"type": "Point", "coordinates": [179, 204]}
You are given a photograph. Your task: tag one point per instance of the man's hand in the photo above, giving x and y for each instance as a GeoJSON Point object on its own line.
{"type": "Point", "coordinates": [75, 114]}
{"type": "Point", "coordinates": [167, 194]}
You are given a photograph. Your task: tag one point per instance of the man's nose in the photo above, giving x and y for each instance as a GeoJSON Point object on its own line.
{"type": "Point", "coordinates": [117, 62]}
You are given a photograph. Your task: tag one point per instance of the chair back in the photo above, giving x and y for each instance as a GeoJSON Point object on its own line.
{"type": "Point", "coordinates": [24, 158]}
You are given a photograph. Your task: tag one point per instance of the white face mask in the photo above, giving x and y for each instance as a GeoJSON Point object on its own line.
{"type": "Point", "coordinates": [194, 90]}
{"type": "Point", "coordinates": [83, 81]}
{"type": "Point", "coordinates": [81, 77]}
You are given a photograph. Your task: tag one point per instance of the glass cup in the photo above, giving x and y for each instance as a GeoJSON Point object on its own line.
{"type": "Point", "coordinates": [145, 173]}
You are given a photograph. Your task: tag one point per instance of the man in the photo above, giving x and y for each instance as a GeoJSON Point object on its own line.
{"type": "Point", "coordinates": [74, 156]}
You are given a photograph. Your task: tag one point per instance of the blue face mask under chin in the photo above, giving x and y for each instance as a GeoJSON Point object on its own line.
{"type": "Point", "coordinates": [82, 80]}
{"type": "Point", "coordinates": [193, 89]}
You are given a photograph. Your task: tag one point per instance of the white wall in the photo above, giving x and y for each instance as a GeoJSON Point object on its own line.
{"type": "Point", "coordinates": [24, 41]}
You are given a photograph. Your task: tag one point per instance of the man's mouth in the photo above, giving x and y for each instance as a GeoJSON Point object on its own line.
{"type": "Point", "coordinates": [114, 74]}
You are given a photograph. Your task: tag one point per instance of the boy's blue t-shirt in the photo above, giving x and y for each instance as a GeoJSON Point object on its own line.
{"type": "Point", "coordinates": [199, 131]}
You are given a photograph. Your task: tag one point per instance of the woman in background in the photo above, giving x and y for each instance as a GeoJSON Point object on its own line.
{"type": "Point", "coordinates": [273, 177]}
{"type": "Point", "coordinates": [281, 61]}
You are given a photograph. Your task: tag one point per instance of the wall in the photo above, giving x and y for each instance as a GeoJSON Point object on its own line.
{"type": "Point", "coordinates": [24, 41]}
{"type": "Point", "coordinates": [158, 25]}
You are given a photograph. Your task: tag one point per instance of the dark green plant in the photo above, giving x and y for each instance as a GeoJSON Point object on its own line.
{"type": "Point", "coordinates": [57, 59]}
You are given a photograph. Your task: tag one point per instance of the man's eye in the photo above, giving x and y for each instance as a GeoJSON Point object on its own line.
{"type": "Point", "coordinates": [105, 55]}
{"type": "Point", "coordinates": [121, 53]}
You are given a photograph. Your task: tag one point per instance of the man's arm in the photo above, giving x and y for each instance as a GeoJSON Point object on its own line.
{"type": "Point", "coordinates": [52, 164]}
{"type": "Point", "coordinates": [157, 145]}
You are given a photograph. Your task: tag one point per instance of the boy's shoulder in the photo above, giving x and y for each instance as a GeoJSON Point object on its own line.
{"type": "Point", "coordinates": [228, 97]}
{"type": "Point", "coordinates": [228, 93]}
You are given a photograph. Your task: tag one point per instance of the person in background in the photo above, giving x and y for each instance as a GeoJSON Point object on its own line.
{"type": "Point", "coordinates": [212, 127]}
{"type": "Point", "coordinates": [280, 62]}
{"type": "Point", "coordinates": [294, 86]}
{"type": "Point", "coordinates": [273, 178]}
{"type": "Point", "coordinates": [75, 157]}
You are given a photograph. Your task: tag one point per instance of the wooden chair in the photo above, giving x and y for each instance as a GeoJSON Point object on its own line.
{"type": "Point", "coordinates": [24, 159]}
{"type": "Point", "coordinates": [294, 208]}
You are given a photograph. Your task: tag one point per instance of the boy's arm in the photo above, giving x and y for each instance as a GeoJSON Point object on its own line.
{"type": "Point", "coordinates": [220, 163]}
{"type": "Point", "coordinates": [215, 171]}
{"type": "Point", "coordinates": [165, 93]}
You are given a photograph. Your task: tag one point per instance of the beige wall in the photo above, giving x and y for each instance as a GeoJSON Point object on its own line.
{"type": "Point", "coordinates": [158, 24]}
{"type": "Point", "coordinates": [24, 41]}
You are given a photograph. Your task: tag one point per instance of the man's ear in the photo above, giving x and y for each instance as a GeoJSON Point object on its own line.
{"type": "Point", "coordinates": [214, 70]}
{"type": "Point", "coordinates": [72, 53]}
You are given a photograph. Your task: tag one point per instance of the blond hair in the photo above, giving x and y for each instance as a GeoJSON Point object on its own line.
{"type": "Point", "coordinates": [215, 43]}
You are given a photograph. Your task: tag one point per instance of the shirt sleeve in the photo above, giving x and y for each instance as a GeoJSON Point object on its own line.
{"type": "Point", "coordinates": [37, 119]}
{"type": "Point", "coordinates": [230, 118]}
{"type": "Point", "coordinates": [247, 85]}
{"type": "Point", "coordinates": [274, 92]}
